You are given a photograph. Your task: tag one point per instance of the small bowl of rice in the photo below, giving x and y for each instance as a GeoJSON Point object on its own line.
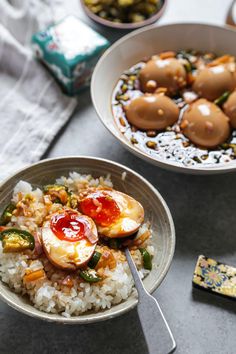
{"type": "Point", "coordinates": [33, 284]}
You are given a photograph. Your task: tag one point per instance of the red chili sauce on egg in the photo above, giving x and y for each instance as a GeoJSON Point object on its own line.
{"type": "Point", "coordinates": [101, 207]}
{"type": "Point", "coordinates": [69, 226]}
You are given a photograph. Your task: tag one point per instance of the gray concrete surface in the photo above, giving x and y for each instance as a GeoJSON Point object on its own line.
{"type": "Point", "coordinates": [203, 208]}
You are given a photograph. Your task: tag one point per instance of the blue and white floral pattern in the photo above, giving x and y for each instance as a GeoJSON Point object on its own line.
{"type": "Point", "coordinates": [214, 276]}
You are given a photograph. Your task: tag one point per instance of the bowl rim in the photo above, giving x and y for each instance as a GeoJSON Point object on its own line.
{"type": "Point", "coordinates": [171, 166]}
{"type": "Point", "coordinates": [124, 26]}
{"type": "Point", "coordinates": [101, 316]}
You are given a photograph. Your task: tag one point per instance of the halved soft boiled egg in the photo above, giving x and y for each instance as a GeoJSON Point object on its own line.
{"type": "Point", "coordinates": [69, 239]}
{"type": "Point", "coordinates": [116, 214]}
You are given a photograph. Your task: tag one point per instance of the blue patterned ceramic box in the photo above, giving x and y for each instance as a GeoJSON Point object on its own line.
{"type": "Point", "coordinates": [70, 50]}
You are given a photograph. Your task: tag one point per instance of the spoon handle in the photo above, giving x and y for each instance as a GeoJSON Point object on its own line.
{"type": "Point", "coordinates": [156, 330]}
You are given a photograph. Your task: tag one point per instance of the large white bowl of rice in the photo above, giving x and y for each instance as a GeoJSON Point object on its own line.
{"type": "Point", "coordinates": [101, 287]}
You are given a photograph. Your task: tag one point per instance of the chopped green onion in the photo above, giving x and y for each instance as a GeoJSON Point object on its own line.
{"type": "Point", "coordinates": [94, 260]}
{"type": "Point", "coordinates": [222, 99]}
{"type": "Point", "coordinates": [188, 67]}
{"type": "Point", "coordinates": [114, 243]}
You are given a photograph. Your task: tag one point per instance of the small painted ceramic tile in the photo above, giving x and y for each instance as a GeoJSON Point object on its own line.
{"type": "Point", "coordinates": [215, 276]}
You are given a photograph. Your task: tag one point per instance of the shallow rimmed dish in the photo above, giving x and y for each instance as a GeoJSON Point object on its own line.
{"type": "Point", "coordinates": [124, 26]}
{"type": "Point", "coordinates": [156, 211]}
{"type": "Point", "coordinates": [143, 43]}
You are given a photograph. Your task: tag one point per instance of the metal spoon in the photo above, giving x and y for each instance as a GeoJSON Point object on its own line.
{"type": "Point", "coordinates": [159, 338]}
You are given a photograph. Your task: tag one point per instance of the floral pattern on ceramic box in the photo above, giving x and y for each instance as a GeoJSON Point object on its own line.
{"type": "Point", "coordinates": [215, 276]}
{"type": "Point", "coordinates": [70, 50]}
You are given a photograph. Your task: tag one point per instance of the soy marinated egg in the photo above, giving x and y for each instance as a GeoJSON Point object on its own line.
{"type": "Point", "coordinates": [205, 124]}
{"type": "Point", "coordinates": [116, 214]}
{"type": "Point", "coordinates": [152, 112]}
{"type": "Point", "coordinates": [212, 82]}
{"type": "Point", "coordinates": [69, 239]}
{"type": "Point", "coordinates": [230, 109]}
{"type": "Point", "coordinates": [168, 73]}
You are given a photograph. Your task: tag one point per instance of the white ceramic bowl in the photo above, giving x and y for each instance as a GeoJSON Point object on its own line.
{"type": "Point", "coordinates": [155, 208]}
{"type": "Point", "coordinates": [145, 42]}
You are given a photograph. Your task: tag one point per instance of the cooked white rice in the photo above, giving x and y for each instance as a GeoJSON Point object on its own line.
{"type": "Point", "coordinates": [47, 294]}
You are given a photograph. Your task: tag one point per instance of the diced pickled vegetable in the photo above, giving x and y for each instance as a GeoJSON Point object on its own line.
{"type": "Point", "coordinates": [7, 214]}
{"type": "Point", "coordinates": [54, 187]}
{"type": "Point", "coordinates": [33, 276]}
{"type": "Point", "coordinates": [226, 146]}
{"type": "Point", "coordinates": [72, 201]}
{"type": "Point", "coordinates": [124, 11]}
{"type": "Point", "coordinates": [137, 17]}
{"type": "Point", "coordinates": [57, 192]}
{"type": "Point", "coordinates": [14, 240]}
{"type": "Point", "coordinates": [107, 259]}
{"type": "Point", "coordinates": [147, 259]}
{"type": "Point", "coordinates": [90, 276]}
{"type": "Point", "coordinates": [125, 3]}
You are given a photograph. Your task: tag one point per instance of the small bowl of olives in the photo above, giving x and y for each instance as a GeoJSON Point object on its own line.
{"type": "Point", "coordinates": [124, 14]}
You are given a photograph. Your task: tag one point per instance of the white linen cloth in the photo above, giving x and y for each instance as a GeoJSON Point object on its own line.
{"type": "Point", "coordinates": [32, 106]}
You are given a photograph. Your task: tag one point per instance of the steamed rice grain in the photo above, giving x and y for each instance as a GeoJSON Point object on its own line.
{"type": "Point", "coordinates": [48, 294]}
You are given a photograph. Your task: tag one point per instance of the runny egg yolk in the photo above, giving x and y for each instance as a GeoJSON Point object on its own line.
{"type": "Point", "coordinates": [69, 239]}
{"type": "Point", "coordinates": [101, 207]}
{"type": "Point", "coordinates": [116, 214]}
{"type": "Point", "coordinates": [69, 226]}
